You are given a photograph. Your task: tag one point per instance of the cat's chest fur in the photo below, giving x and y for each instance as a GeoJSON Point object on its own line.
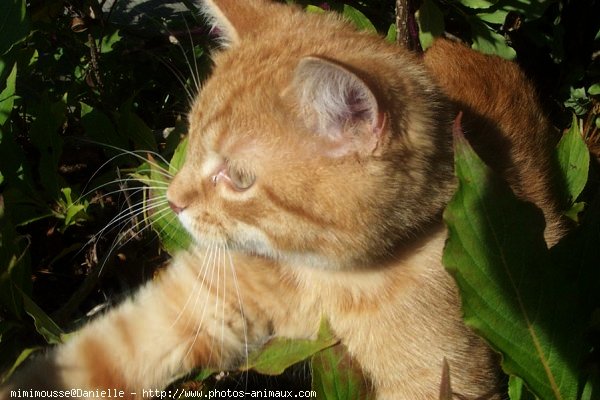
{"type": "Point", "coordinates": [384, 317]}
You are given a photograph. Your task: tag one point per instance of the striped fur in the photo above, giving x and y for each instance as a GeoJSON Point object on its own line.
{"type": "Point", "coordinates": [319, 163]}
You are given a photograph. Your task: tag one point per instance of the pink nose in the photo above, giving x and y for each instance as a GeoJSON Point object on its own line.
{"type": "Point", "coordinates": [176, 209]}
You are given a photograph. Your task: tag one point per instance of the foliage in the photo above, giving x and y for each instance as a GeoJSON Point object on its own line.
{"type": "Point", "coordinates": [80, 94]}
{"type": "Point", "coordinates": [518, 294]}
{"type": "Point", "coordinates": [90, 114]}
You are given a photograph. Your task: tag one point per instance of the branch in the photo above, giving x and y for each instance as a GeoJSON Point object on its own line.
{"type": "Point", "coordinates": [404, 21]}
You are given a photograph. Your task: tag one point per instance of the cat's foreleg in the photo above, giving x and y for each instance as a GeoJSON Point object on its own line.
{"type": "Point", "coordinates": [191, 316]}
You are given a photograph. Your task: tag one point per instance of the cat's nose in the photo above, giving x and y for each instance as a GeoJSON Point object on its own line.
{"type": "Point", "coordinates": [175, 207]}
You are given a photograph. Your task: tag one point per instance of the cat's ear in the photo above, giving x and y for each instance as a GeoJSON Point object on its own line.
{"type": "Point", "coordinates": [234, 18]}
{"type": "Point", "coordinates": [339, 105]}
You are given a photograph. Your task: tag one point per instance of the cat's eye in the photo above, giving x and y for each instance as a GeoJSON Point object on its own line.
{"type": "Point", "coordinates": [241, 179]}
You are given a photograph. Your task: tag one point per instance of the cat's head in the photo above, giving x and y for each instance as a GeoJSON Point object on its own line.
{"type": "Point", "coordinates": [311, 142]}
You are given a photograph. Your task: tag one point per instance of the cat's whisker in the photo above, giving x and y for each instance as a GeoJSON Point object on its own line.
{"type": "Point", "coordinates": [201, 269]}
{"type": "Point", "coordinates": [208, 271]}
{"type": "Point", "coordinates": [158, 216]}
{"type": "Point", "coordinates": [221, 268]}
{"type": "Point", "coordinates": [195, 293]}
{"type": "Point", "coordinates": [134, 190]}
{"type": "Point", "coordinates": [134, 153]}
{"type": "Point", "coordinates": [240, 304]}
{"type": "Point", "coordinates": [157, 168]}
{"type": "Point", "coordinates": [125, 214]}
{"type": "Point", "coordinates": [217, 285]}
{"type": "Point", "coordinates": [195, 73]}
{"type": "Point", "coordinates": [160, 185]}
{"type": "Point", "coordinates": [178, 75]}
{"type": "Point", "coordinates": [131, 215]}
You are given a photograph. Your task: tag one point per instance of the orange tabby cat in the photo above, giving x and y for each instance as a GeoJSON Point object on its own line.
{"type": "Point", "coordinates": [319, 163]}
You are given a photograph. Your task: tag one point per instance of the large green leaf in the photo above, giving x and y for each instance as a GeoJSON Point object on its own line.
{"type": "Point", "coordinates": [358, 18]}
{"type": "Point", "coordinates": [43, 323]}
{"type": "Point", "coordinates": [21, 197]}
{"type": "Point", "coordinates": [7, 95]}
{"type": "Point", "coordinates": [280, 353]}
{"type": "Point", "coordinates": [337, 377]}
{"type": "Point", "coordinates": [528, 9]}
{"type": "Point", "coordinates": [493, 17]}
{"type": "Point", "coordinates": [99, 127]}
{"type": "Point", "coordinates": [45, 136]}
{"type": "Point", "coordinates": [431, 23]}
{"type": "Point", "coordinates": [15, 270]}
{"type": "Point", "coordinates": [517, 389]}
{"type": "Point", "coordinates": [478, 3]}
{"type": "Point", "coordinates": [512, 292]}
{"type": "Point", "coordinates": [156, 175]}
{"type": "Point", "coordinates": [133, 127]}
{"type": "Point", "coordinates": [13, 24]}
{"type": "Point", "coordinates": [487, 41]}
{"type": "Point", "coordinates": [574, 160]}
{"type": "Point", "coordinates": [392, 34]}
{"type": "Point", "coordinates": [108, 41]}
{"type": "Point", "coordinates": [178, 157]}
{"type": "Point", "coordinates": [23, 356]}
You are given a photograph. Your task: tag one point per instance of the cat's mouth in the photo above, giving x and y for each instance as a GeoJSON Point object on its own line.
{"type": "Point", "coordinates": [239, 236]}
{"type": "Point", "coordinates": [202, 233]}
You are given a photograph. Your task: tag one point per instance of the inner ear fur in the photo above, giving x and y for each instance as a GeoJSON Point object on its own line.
{"type": "Point", "coordinates": [338, 104]}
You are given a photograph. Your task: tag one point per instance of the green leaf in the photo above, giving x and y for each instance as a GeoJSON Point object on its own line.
{"type": "Point", "coordinates": [336, 377]}
{"type": "Point", "coordinates": [594, 90]}
{"type": "Point", "coordinates": [392, 34]}
{"type": "Point", "coordinates": [512, 292]}
{"type": "Point", "coordinates": [13, 24]}
{"type": "Point", "coordinates": [280, 353]}
{"type": "Point", "coordinates": [14, 265]}
{"type": "Point", "coordinates": [133, 127]}
{"type": "Point", "coordinates": [517, 389]}
{"type": "Point", "coordinates": [476, 4]}
{"type": "Point", "coordinates": [45, 136]}
{"type": "Point", "coordinates": [108, 41]}
{"type": "Point", "coordinates": [578, 101]}
{"type": "Point", "coordinates": [487, 41]}
{"type": "Point", "coordinates": [7, 96]}
{"type": "Point", "coordinates": [155, 175]}
{"type": "Point", "coordinates": [494, 17]}
{"type": "Point", "coordinates": [178, 158]}
{"type": "Point", "coordinates": [358, 19]}
{"type": "Point", "coordinates": [574, 211]}
{"type": "Point", "coordinates": [20, 196]}
{"type": "Point", "coordinates": [314, 9]}
{"type": "Point", "coordinates": [204, 374]}
{"type": "Point", "coordinates": [71, 212]}
{"type": "Point", "coordinates": [99, 127]}
{"type": "Point", "coordinates": [20, 359]}
{"type": "Point", "coordinates": [43, 323]}
{"type": "Point", "coordinates": [528, 9]}
{"type": "Point", "coordinates": [574, 160]}
{"type": "Point", "coordinates": [431, 23]}
{"type": "Point", "coordinates": [590, 390]}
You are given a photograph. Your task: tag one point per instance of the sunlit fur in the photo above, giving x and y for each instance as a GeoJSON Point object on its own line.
{"type": "Point", "coordinates": [345, 145]}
